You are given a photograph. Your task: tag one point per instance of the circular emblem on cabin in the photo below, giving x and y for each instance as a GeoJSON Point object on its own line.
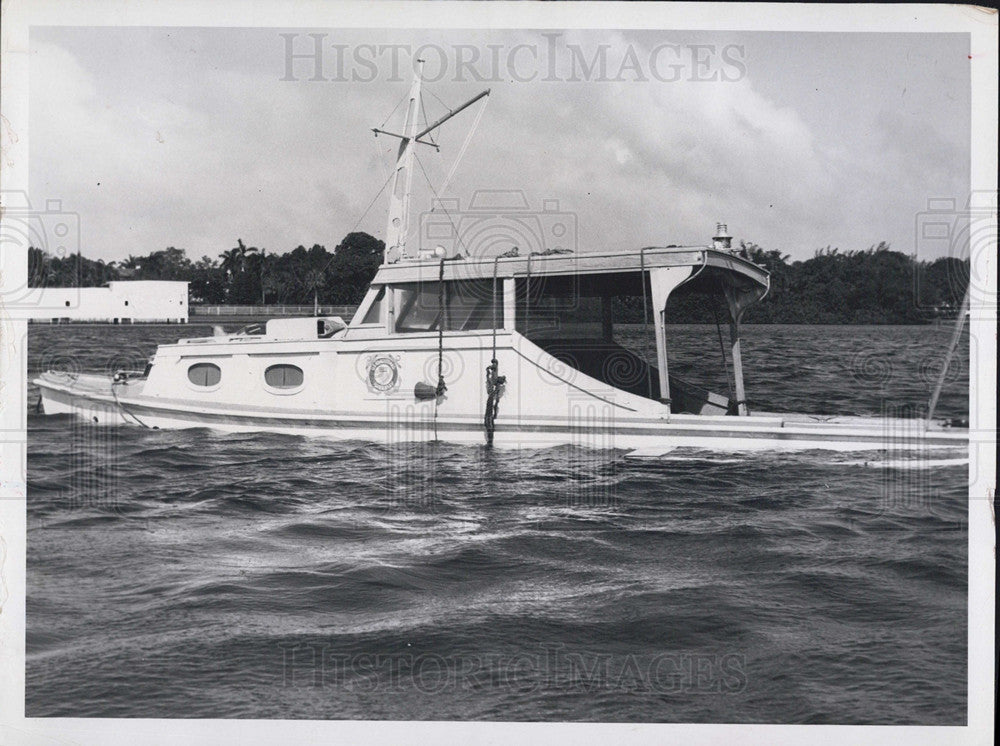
{"type": "Point", "coordinates": [383, 373]}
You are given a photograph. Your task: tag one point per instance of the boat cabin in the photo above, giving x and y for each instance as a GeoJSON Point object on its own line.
{"type": "Point", "coordinates": [569, 305]}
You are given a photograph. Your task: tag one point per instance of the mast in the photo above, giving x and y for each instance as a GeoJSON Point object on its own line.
{"type": "Point", "coordinates": [402, 178]}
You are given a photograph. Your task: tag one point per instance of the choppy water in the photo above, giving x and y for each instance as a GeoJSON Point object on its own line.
{"type": "Point", "coordinates": [196, 574]}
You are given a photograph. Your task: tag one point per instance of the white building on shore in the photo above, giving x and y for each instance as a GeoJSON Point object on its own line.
{"type": "Point", "coordinates": [119, 302]}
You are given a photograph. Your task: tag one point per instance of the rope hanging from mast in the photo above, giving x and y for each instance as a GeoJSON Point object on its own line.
{"type": "Point", "coordinates": [494, 387]}
{"type": "Point", "coordinates": [496, 261]}
{"type": "Point", "coordinates": [494, 381]}
{"type": "Point", "coordinates": [120, 379]}
{"type": "Point", "coordinates": [442, 322]}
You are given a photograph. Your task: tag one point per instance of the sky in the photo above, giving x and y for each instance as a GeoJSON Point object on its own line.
{"type": "Point", "coordinates": [194, 138]}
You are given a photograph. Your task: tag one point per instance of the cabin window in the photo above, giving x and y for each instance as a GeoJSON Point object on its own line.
{"type": "Point", "coordinates": [204, 374]}
{"type": "Point", "coordinates": [470, 306]}
{"type": "Point", "coordinates": [419, 310]}
{"type": "Point", "coordinates": [374, 313]}
{"type": "Point", "coordinates": [572, 318]}
{"type": "Point", "coordinates": [326, 328]}
{"type": "Point", "coordinates": [283, 376]}
{"type": "Point", "coordinates": [250, 330]}
{"type": "Point", "coordinates": [560, 316]}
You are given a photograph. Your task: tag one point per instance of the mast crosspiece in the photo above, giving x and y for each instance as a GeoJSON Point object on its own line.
{"type": "Point", "coordinates": [378, 132]}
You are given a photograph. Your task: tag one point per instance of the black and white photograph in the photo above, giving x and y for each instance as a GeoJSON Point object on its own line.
{"type": "Point", "coordinates": [493, 372]}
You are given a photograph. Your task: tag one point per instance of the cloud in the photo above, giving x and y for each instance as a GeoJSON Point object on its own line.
{"type": "Point", "coordinates": [190, 138]}
{"type": "Point", "coordinates": [650, 163]}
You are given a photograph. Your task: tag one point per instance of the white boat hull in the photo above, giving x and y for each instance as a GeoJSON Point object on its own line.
{"type": "Point", "coordinates": [92, 398]}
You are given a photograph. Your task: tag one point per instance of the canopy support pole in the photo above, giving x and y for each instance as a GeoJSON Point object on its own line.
{"type": "Point", "coordinates": [738, 302]}
{"type": "Point", "coordinates": [663, 281]}
{"type": "Point", "coordinates": [741, 394]}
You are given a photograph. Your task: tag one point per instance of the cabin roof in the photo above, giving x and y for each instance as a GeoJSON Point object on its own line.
{"type": "Point", "coordinates": [740, 270]}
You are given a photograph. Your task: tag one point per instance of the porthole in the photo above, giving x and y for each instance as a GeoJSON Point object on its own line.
{"type": "Point", "coordinates": [204, 374]}
{"type": "Point", "coordinates": [283, 376]}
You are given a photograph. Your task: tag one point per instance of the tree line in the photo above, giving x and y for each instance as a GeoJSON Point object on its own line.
{"type": "Point", "coordinates": [242, 275]}
{"type": "Point", "coordinates": [874, 286]}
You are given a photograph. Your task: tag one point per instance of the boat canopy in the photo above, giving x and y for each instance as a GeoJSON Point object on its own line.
{"type": "Point", "coordinates": [741, 274]}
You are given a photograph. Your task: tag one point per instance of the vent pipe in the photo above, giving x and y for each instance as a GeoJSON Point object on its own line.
{"type": "Point", "coordinates": [722, 241]}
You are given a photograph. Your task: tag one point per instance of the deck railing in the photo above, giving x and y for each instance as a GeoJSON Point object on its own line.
{"type": "Point", "coordinates": [272, 310]}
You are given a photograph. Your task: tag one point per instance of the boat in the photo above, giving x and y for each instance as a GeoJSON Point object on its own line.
{"type": "Point", "coordinates": [513, 348]}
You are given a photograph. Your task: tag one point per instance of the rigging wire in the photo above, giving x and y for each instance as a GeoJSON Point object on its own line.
{"type": "Point", "coordinates": [379, 156]}
{"type": "Point", "coordinates": [955, 338]}
{"type": "Point", "coordinates": [428, 90]}
{"type": "Point", "coordinates": [451, 173]}
{"type": "Point", "coordinates": [444, 209]}
{"type": "Point", "coordinates": [443, 321]}
{"type": "Point", "coordinates": [374, 199]}
{"type": "Point", "coordinates": [423, 110]}
{"type": "Point", "coordinates": [405, 95]}
{"type": "Point", "coordinates": [363, 216]}
{"type": "Point", "coordinates": [465, 146]}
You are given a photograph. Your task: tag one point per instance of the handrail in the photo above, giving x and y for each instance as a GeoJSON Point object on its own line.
{"type": "Point", "coordinates": [269, 310]}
